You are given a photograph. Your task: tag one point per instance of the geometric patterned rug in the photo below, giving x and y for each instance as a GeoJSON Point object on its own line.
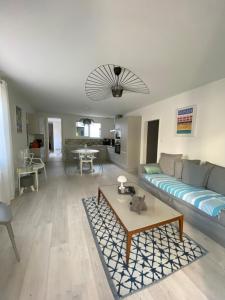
{"type": "Point", "coordinates": [154, 254]}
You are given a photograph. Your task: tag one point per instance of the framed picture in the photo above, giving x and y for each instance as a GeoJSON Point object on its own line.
{"type": "Point", "coordinates": [185, 121]}
{"type": "Point", "coordinates": [19, 125]}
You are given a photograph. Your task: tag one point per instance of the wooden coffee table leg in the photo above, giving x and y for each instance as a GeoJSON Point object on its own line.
{"type": "Point", "coordinates": [129, 236]}
{"type": "Point", "coordinates": [181, 224]}
{"type": "Point", "coordinates": [99, 192]}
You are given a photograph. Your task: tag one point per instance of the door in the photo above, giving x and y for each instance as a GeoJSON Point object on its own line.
{"type": "Point", "coordinates": [50, 137]}
{"type": "Point", "coordinates": [152, 141]}
{"type": "Point", "coordinates": [55, 138]}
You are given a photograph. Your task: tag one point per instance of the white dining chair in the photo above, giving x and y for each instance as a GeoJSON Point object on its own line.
{"type": "Point", "coordinates": [76, 159]}
{"type": "Point", "coordinates": [36, 162]}
{"type": "Point", "coordinates": [84, 159]}
{"type": "Point", "coordinates": [98, 162]}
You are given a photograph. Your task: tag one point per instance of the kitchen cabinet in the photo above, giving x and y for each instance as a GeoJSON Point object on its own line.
{"type": "Point", "coordinates": [35, 124]}
{"type": "Point", "coordinates": [130, 131]}
{"type": "Point", "coordinates": [113, 157]}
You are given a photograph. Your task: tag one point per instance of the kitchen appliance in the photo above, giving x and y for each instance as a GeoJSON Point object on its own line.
{"type": "Point", "coordinates": [117, 148]}
{"type": "Point", "coordinates": [109, 142]}
{"type": "Point", "coordinates": [106, 142]}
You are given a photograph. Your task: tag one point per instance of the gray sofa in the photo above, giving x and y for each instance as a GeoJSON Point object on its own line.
{"type": "Point", "coordinates": [189, 175]}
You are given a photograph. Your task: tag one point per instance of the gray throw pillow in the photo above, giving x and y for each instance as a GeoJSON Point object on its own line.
{"type": "Point", "coordinates": [210, 167]}
{"type": "Point", "coordinates": [216, 180]}
{"type": "Point", "coordinates": [194, 161]}
{"type": "Point", "coordinates": [179, 166]}
{"type": "Point", "coordinates": [167, 163]}
{"type": "Point", "coordinates": [193, 174]}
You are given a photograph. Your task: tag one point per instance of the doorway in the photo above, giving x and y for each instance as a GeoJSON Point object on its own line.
{"type": "Point", "coordinates": [54, 138]}
{"type": "Point", "coordinates": [152, 141]}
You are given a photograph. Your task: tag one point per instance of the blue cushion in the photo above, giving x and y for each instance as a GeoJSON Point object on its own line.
{"type": "Point", "coordinates": [206, 200]}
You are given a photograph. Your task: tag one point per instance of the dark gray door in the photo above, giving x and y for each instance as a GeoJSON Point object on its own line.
{"type": "Point", "coordinates": [50, 136]}
{"type": "Point", "coordinates": [152, 141]}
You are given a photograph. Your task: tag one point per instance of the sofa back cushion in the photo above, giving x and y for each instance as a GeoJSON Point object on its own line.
{"type": "Point", "coordinates": [179, 166]}
{"type": "Point", "coordinates": [194, 174]}
{"type": "Point", "coordinates": [167, 163]}
{"type": "Point", "coordinates": [216, 180]}
{"type": "Point", "coordinates": [209, 166]}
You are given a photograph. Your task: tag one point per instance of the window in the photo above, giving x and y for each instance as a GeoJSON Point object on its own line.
{"type": "Point", "coordinates": [93, 130]}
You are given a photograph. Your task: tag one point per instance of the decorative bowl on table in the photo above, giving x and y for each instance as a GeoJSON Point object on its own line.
{"type": "Point", "coordinates": [128, 190]}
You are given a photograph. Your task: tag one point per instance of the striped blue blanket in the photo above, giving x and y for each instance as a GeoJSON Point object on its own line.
{"type": "Point", "coordinates": [208, 201]}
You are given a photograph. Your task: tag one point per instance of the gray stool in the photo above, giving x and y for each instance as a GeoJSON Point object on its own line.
{"type": "Point", "coordinates": [5, 219]}
{"type": "Point", "coordinates": [27, 181]}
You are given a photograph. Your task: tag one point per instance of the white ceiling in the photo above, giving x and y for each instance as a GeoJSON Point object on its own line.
{"type": "Point", "coordinates": [48, 48]}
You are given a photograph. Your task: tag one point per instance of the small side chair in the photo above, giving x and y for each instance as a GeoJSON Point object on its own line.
{"type": "Point", "coordinates": [5, 219]}
{"type": "Point", "coordinates": [36, 162]}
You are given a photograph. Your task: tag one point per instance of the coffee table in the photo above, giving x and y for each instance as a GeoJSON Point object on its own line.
{"type": "Point", "coordinates": [157, 214]}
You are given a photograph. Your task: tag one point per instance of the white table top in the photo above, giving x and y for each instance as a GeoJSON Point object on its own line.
{"type": "Point", "coordinates": [85, 151]}
{"type": "Point", "coordinates": [26, 170]}
{"type": "Point", "coordinates": [156, 212]}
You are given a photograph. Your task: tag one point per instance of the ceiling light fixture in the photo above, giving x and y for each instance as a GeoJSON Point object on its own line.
{"type": "Point", "coordinates": [111, 80]}
{"type": "Point", "coordinates": [86, 121]}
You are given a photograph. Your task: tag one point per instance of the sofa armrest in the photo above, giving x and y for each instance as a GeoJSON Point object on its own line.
{"type": "Point", "coordinates": [141, 169]}
{"type": "Point", "coordinates": [221, 217]}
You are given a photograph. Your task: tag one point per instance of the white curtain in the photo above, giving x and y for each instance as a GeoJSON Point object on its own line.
{"type": "Point", "coordinates": [7, 184]}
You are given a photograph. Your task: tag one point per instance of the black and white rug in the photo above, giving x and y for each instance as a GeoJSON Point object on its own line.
{"type": "Point", "coordinates": [154, 255]}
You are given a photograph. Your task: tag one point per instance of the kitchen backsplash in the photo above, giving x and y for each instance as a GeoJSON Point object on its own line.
{"type": "Point", "coordinates": [89, 142]}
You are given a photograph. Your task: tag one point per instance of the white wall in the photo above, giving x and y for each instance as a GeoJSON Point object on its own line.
{"type": "Point", "coordinates": [209, 141]}
{"type": "Point", "coordinates": [69, 131]}
{"type": "Point", "coordinates": [57, 133]}
{"type": "Point", "coordinates": [19, 140]}
{"type": "Point", "coordinates": [68, 124]}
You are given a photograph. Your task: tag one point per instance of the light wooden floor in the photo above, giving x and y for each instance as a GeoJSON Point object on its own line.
{"type": "Point", "coordinates": [59, 259]}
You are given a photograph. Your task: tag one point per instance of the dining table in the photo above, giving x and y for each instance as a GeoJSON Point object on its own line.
{"type": "Point", "coordinates": [85, 151]}
{"type": "Point", "coordinates": [83, 155]}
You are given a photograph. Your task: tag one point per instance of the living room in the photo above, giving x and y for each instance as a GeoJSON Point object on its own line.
{"type": "Point", "coordinates": [131, 190]}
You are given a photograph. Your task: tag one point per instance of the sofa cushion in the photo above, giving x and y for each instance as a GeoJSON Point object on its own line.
{"type": "Point", "coordinates": [207, 201]}
{"type": "Point", "coordinates": [194, 174]}
{"type": "Point", "coordinates": [152, 169]}
{"type": "Point", "coordinates": [167, 163]}
{"type": "Point", "coordinates": [194, 161]}
{"type": "Point", "coordinates": [216, 180]}
{"type": "Point", "coordinates": [209, 166]}
{"type": "Point", "coordinates": [179, 166]}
